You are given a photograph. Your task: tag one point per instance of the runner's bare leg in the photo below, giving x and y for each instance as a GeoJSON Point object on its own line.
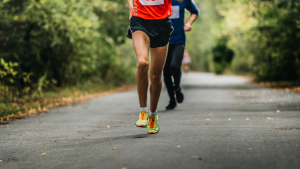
{"type": "Point", "coordinates": [158, 59]}
{"type": "Point", "coordinates": [141, 43]}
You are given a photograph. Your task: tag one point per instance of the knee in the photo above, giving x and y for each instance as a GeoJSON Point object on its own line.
{"type": "Point", "coordinates": [143, 65]}
{"type": "Point", "coordinates": [155, 78]}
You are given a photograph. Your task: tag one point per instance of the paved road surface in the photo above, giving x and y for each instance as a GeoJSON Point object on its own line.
{"type": "Point", "coordinates": [223, 123]}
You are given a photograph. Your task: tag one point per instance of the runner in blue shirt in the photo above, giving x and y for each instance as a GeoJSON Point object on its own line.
{"type": "Point", "coordinates": [176, 48]}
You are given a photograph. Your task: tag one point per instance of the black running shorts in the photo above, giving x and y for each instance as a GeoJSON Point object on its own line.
{"type": "Point", "coordinates": [158, 31]}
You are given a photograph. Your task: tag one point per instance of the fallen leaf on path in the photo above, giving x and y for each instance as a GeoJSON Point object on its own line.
{"type": "Point", "coordinates": [207, 119]}
{"type": "Point", "coordinates": [229, 119]}
{"type": "Point", "coordinates": [76, 142]}
{"type": "Point", "coordinates": [176, 122]}
{"type": "Point", "coordinates": [124, 168]}
{"type": "Point", "coordinates": [178, 146]}
{"type": "Point", "coordinates": [210, 117]}
{"type": "Point", "coordinates": [43, 154]}
{"type": "Point", "coordinates": [247, 119]}
{"type": "Point", "coordinates": [297, 145]}
{"type": "Point", "coordinates": [275, 128]}
{"type": "Point", "coordinates": [16, 130]}
{"type": "Point", "coordinates": [7, 125]}
{"type": "Point", "coordinates": [249, 148]}
{"type": "Point", "coordinates": [278, 111]}
{"type": "Point", "coordinates": [107, 126]}
{"type": "Point", "coordinates": [114, 148]}
{"type": "Point", "coordinates": [1, 161]}
{"type": "Point", "coordinates": [269, 118]}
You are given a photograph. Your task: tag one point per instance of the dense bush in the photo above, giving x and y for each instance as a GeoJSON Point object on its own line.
{"type": "Point", "coordinates": [279, 30]}
{"type": "Point", "coordinates": [264, 35]}
{"type": "Point", "coordinates": [61, 43]}
{"type": "Point", "coordinates": [222, 55]}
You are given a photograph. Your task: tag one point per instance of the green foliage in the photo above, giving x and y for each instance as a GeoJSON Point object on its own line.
{"type": "Point", "coordinates": [222, 55]}
{"type": "Point", "coordinates": [62, 43]}
{"type": "Point", "coordinates": [279, 30]}
{"type": "Point", "coordinates": [201, 39]}
{"type": "Point", "coordinates": [7, 75]}
{"type": "Point", "coordinates": [264, 36]}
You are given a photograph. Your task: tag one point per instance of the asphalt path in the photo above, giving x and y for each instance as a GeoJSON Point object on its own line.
{"type": "Point", "coordinates": [223, 123]}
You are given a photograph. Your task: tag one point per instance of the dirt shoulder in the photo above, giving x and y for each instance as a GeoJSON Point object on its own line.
{"type": "Point", "coordinates": [287, 87]}
{"type": "Point", "coordinates": [41, 105]}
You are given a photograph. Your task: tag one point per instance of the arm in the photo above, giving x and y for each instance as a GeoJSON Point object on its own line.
{"type": "Point", "coordinates": [188, 24]}
{"type": "Point", "coordinates": [194, 14]}
{"type": "Point", "coordinates": [130, 6]}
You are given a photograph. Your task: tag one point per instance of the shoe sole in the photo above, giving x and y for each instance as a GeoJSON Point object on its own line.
{"type": "Point", "coordinates": [153, 133]}
{"type": "Point", "coordinates": [173, 108]}
{"type": "Point", "coordinates": [142, 126]}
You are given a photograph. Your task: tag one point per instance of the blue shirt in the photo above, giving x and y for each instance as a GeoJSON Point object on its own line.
{"type": "Point", "coordinates": [177, 19]}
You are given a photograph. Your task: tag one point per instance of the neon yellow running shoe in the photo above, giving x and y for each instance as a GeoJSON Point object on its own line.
{"type": "Point", "coordinates": [143, 118]}
{"type": "Point", "coordinates": [152, 126]}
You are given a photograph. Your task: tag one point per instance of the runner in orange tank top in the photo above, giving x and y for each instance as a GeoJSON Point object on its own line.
{"type": "Point", "coordinates": [152, 9]}
{"type": "Point", "coordinates": [150, 28]}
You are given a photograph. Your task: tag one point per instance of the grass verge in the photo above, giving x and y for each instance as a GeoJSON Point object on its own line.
{"type": "Point", "coordinates": [38, 103]}
{"type": "Point", "coordinates": [283, 86]}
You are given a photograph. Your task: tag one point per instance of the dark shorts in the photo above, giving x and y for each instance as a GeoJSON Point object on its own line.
{"type": "Point", "coordinates": [158, 31]}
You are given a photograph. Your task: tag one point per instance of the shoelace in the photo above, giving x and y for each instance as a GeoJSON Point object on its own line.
{"type": "Point", "coordinates": [151, 122]}
{"type": "Point", "coordinates": [143, 116]}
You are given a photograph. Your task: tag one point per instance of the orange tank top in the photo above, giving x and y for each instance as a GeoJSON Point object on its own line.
{"type": "Point", "coordinates": [152, 9]}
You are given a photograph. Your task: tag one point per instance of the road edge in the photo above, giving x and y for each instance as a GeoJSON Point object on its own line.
{"type": "Point", "coordinates": [64, 102]}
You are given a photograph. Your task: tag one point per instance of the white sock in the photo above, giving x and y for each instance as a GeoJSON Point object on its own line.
{"type": "Point", "coordinates": [144, 108]}
{"type": "Point", "coordinates": [152, 113]}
